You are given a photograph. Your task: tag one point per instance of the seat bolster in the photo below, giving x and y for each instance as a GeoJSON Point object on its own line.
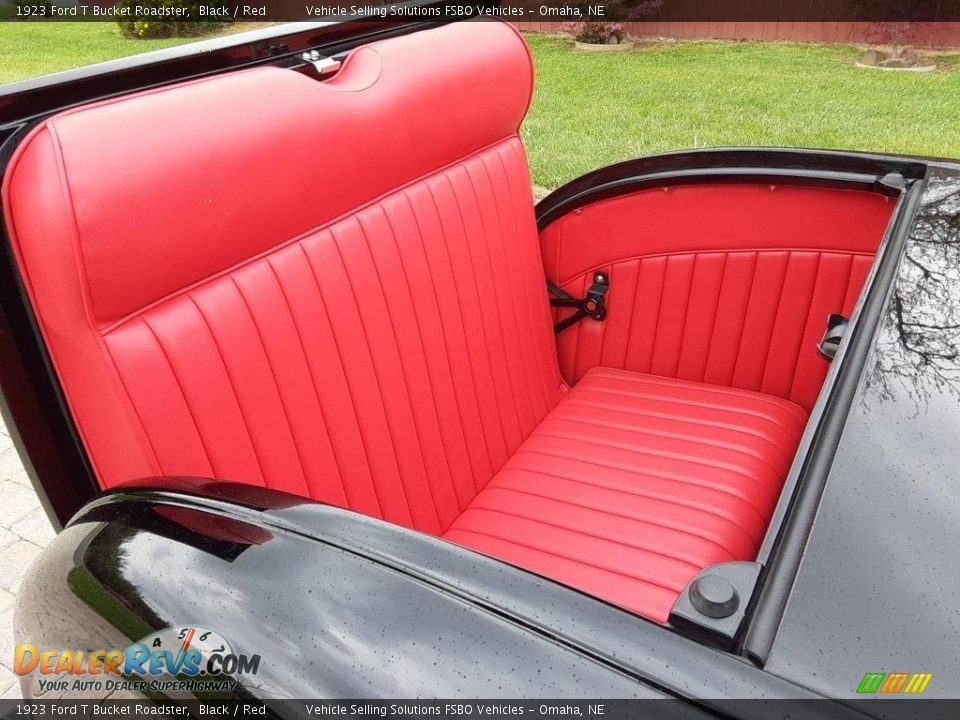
{"type": "Point", "coordinates": [52, 269]}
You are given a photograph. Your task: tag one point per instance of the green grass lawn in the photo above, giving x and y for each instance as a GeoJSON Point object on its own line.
{"type": "Point", "coordinates": [594, 109]}
{"type": "Point", "coordinates": [28, 49]}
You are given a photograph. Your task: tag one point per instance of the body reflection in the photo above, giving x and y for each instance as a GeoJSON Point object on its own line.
{"type": "Point", "coordinates": [918, 346]}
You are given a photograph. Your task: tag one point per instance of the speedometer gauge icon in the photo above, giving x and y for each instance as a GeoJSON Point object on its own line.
{"type": "Point", "coordinates": [180, 640]}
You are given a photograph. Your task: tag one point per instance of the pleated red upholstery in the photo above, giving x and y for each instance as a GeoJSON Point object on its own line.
{"type": "Point", "coordinates": [724, 284]}
{"type": "Point", "coordinates": [309, 294]}
{"type": "Point", "coordinates": [634, 483]}
{"type": "Point", "coordinates": [335, 289]}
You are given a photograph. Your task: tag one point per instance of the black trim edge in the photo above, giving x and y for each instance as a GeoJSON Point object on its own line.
{"type": "Point", "coordinates": [776, 582]}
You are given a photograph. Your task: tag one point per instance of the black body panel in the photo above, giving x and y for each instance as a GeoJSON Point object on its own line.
{"type": "Point", "coordinates": [339, 605]}
{"type": "Point", "coordinates": [877, 588]}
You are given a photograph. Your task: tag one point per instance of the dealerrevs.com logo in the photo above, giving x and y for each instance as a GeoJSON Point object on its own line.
{"type": "Point", "coordinates": [176, 658]}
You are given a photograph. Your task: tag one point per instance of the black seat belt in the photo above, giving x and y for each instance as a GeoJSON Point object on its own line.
{"type": "Point", "coordinates": [592, 306]}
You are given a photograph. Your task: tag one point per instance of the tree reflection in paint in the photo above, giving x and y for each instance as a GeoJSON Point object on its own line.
{"type": "Point", "coordinates": [918, 346]}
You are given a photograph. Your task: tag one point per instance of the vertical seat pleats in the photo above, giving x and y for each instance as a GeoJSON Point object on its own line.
{"type": "Point", "coordinates": [389, 363]}
{"type": "Point", "coordinates": [729, 284]}
{"type": "Point", "coordinates": [744, 319]}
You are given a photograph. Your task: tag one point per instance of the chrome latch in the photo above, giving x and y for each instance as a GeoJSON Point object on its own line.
{"type": "Point", "coordinates": [836, 327]}
{"type": "Point", "coordinates": [321, 63]}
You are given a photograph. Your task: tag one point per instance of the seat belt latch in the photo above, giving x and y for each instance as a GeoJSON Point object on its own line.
{"type": "Point", "coordinates": [836, 327]}
{"type": "Point", "coordinates": [592, 306]}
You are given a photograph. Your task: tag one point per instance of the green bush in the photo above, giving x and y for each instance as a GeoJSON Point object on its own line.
{"type": "Point", "coordinates": [186, 25]}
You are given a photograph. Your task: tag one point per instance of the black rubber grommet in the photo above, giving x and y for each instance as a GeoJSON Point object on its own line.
{"type": "Point", "coordinates": [714, 596]}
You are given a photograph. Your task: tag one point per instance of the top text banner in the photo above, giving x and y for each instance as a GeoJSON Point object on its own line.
{"type": "Point", "coordinates": [659, 11]}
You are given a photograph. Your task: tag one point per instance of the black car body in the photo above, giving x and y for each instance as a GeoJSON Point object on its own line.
{"type": "Point", "coordinates": [855, 574]}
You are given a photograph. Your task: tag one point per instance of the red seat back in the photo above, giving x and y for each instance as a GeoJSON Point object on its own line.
{"type": "Point", "coordinates": [330, 288]}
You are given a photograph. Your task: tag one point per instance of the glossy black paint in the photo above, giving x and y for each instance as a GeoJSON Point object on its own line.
{"type": "Point", "coordinates": [878, 588]}
{"type": "Point", "coordinates": [340, 605]}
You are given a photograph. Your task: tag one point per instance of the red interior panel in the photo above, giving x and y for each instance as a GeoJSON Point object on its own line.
{"type": "Point", "coordinates": [720, 283]}
{"type": "Point", "coordinates": [336, 290]}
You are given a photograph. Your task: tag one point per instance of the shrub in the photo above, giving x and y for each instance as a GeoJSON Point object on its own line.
{"type": "Point", "coordinates": [611, 28]}
{"type": "Point", "coordinates": [149, 28]}
{"type": "Point", "coordinates": [598, 33]}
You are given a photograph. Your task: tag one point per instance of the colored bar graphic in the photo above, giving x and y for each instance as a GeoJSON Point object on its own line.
{"type": "Point", "coordinates": [870, 683]}
{"type": "Point", "coordinates": [892, 683]}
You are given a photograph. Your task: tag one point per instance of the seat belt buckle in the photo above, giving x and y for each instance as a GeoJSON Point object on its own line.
{"type": "Point", "coordinates": [592, 306]}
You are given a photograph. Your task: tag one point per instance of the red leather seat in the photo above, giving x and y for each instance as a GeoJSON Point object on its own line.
{"type": "Point", "coordinates": [634, 483]}
{"type": "Point", "coordinates": [335, 289]}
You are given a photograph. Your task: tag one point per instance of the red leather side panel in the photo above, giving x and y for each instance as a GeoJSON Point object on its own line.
{"type": "Point", "coordinates": [333, 288]}
{"type": "Point", "coordinates": [725, 284]}
{"type": "Point", "coordinates": [635, 483]}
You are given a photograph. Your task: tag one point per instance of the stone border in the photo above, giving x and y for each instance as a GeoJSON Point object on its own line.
{"type": "Point", "coordinates": [598, 48]}
{"type": "Point", "coordinates": [925, 68]}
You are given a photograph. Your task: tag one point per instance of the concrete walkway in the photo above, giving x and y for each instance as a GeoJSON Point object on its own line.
{"type": "Point", "coordinates": [24, 530]}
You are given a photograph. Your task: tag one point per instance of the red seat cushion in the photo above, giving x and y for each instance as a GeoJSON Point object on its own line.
{"type": "Point", "coordinates": [634, 483]}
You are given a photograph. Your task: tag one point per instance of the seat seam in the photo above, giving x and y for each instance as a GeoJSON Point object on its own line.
{"type": "Point", "coordinates": [313, 382]}
{"type": "Point", "coordinates": [602, 511]}
{"type": "Point", "coordinates": [798, 351]}
{"type": "Point", "coordinates": [717, 251]}
{"type": "Point", "coordinates": [444, 331]}
{"type": "Point", "coordinates": [651, 356]}
{"type": "Point", "coordinates": [744, 450]}
{"type": "Point", "coordinates": [348, 385]}
{"type": "Point", "coordinates": [633, 492]}
{"type": "Point", "coordinates": [713, 319]}
{"type": "Point", "coordinates": [186, 400]}
{"type": "Point", "coordinates": [569, 559]}
{"type": "Point", "coordinates": [233, 388]}
{"type": "Point", "coordinates": [692, 460]}
{"type": "Point", "coordinates": [742, 319]}
{"type": "Point", "coordinates": [426, 364]}
{"type": "Point", "coordinates": [649, 473]}
{"type": "Point", "coordinates": [758, 398]}
{"type": "Point", "coordinates": [463, 328]}
{"type": "Point", "coordinates": [633, 312]}
{"type": "Point", "coordinates": [514, 395]}
{"type": "Point", "coordinates": [584, 533]}
{"type": "Point", "coordinates": [776, 314]}
{"type": "Point", "coordinates": [376, 372]}
{"type": "Point", "coordinates": [531, 318]}
{"type": "Point", "coordinates": [300, 237]}
{"type": "Point", "coordinates": [528, 366]}
{"type": "Point", "coordinates": [276, 383]}
{"type": "Point", "coordinates": [686, 313]}
{"type": "Point", "coordinates": [731, 427]}
{"type": "Point", "coordinates": [483, 329]}
{"type": "Point", "coordinates": [403, 370]}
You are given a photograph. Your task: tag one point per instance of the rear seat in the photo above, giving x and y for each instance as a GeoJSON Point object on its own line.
{"type": "Point", "coordinates": [335, 289]}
